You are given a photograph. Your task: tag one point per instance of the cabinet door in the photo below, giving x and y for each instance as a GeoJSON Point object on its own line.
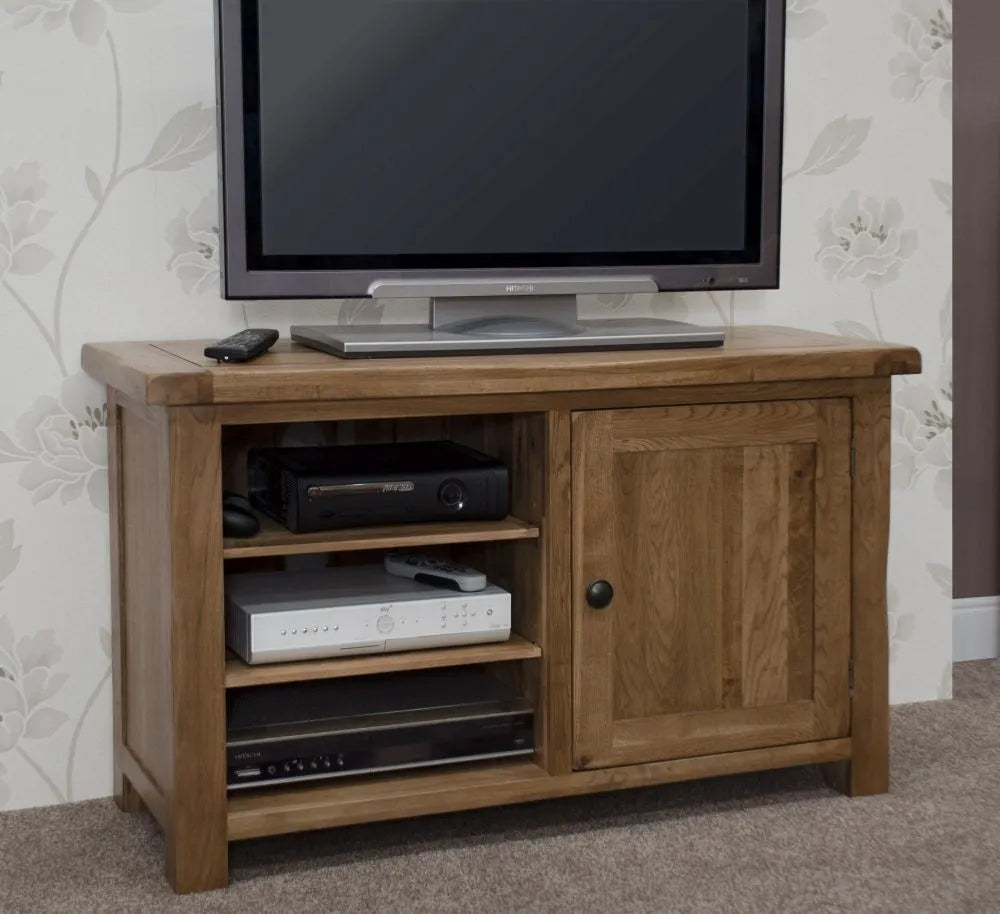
{"type": "Point", "coordinates": [724, 531]}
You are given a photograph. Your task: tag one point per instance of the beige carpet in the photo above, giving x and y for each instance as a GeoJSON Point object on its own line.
{"type": "Point", "coordinates": [779, 842]}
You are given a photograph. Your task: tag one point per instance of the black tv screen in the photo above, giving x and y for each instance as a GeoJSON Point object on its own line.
{"type": "Point", "coordinates": [381, 136]}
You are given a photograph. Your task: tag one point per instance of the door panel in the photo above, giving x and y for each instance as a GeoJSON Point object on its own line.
{"type": "Point", "coordinates": [725, 531]}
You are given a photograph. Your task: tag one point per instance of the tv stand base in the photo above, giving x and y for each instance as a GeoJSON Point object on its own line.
{"type": "Point", "coordinates": [477, 333]}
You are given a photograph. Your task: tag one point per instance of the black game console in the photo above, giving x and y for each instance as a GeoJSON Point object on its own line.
{"type": "Point", "coordinates": [310, 489]}
{"type": "Point", "coordinates": [315, 730]}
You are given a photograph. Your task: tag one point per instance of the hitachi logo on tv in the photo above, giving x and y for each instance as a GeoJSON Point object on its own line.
{"type": "Point", "coordinates": [515, 287]}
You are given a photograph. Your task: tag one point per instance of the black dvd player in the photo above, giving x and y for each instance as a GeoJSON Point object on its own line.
{"type": "Point", "coordinates": [310, 489]}
{"type": "Point", "coordinates": [314, 730]}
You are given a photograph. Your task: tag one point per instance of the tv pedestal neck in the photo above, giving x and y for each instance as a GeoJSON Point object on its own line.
{"type": "Point", "coordinates": [736, 499]}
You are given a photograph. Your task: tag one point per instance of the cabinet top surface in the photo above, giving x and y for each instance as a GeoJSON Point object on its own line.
{"type": "Point", "coordinates": [177, 374]}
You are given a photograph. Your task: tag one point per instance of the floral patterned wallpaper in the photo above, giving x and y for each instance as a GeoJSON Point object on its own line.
{"type": "Point", "coordinates": [108, 230]}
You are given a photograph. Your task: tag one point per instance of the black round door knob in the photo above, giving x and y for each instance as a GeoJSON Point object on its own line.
{"type": "Point", "coordinates": [600, 594]}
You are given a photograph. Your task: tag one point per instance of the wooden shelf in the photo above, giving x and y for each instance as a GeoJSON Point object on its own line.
{"type": "Point", "coordinates": [274, 539]}
{"type": "Point", "coordinates": [367, 798]}
{"type": "Point", "coordinates": [239, 674]}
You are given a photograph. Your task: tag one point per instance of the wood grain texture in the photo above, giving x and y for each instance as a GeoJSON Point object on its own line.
{"type": "Point", "coordinates": [146, 793]}
{"type": "Point", "coordinates": [240, 674]}
{"type": "Point", "coordinates": [125, 794]}
{"type": "Point", "coordinates": [196, 848]}
{"type": "Point", "coordinates": [716, 639]}
{"type": "Point", "coordinates": [595, 557]}
{"type": "Point", "coordinates": [274, 539]}
{"type": "Point", "coordinates": [557, 595]}
{"type": "Point", "coordinates": [177, 373]}
{"type": "Point", "coordinates": [704, 732]}
{"type": "Point", "coordinates": [804, 541]}
{"type": "Point", "coordinates": [699, 427]}
{"type": "Point", "coordinates": [146, 373]}
{"type": "Point", "coordinates": [254, 815]}
{"type": "Point", "coordinates": [834, 538]}
{"type": "Point", "coordinates": [144, 550]}
{"type": "Point", "coordinates": [730, 564]}
{"type": "Point", "coordinates": [868, 770]}
{"type": "Point", "coordinates": [764, 627]}
{"type": "Point", "coordinates": [390, 407]}
{"type": "Point", "coordinates": [666, 658]}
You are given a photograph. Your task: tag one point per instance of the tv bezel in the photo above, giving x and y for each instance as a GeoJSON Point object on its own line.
{"type": "Point", "coordinates": [241, 280]}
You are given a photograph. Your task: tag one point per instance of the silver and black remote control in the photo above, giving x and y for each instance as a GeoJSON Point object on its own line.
{"type": "Point", "coordinates": [242, 346]}
{"type": "Point", "coordinates": [426, 569]}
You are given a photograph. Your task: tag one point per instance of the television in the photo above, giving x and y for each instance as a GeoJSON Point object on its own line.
{"type": "Point", "coordinates": [500, 158]}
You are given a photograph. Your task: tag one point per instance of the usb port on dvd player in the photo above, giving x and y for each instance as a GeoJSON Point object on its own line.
{"type": "Point", "coordinates": [247, 773]}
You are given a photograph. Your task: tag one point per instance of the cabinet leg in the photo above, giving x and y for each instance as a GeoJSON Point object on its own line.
{"type": "Point", "coordinates": [195, 835]}
{"type": "Point", "coordinates": [867, 772]}
{"type": "Point", "coordinates": [194, 864]}
{"type": "Point", "coordinates": [858, 778]}
{"type": "Point", "coordinates": [126, 796]}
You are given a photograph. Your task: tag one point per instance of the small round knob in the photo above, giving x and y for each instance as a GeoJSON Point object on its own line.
{"type": "Point", "coordinates": [600, 594]}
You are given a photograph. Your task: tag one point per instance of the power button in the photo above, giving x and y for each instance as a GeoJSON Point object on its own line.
{"type": "Point", "coordinates": [385, 624]}
{"type": "Point", "coordinates": [452, 494]}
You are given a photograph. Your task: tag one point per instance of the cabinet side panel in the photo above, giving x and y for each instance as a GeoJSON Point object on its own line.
{"type": "Point", "coordinates": [145, 584]}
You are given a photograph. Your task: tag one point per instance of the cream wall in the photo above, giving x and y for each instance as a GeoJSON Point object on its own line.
{"type": "Point", "coordinates": [107, 230]}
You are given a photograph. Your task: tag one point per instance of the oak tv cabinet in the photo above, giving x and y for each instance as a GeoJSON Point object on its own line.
{"type": "Point", "coordinates": [737, 499]}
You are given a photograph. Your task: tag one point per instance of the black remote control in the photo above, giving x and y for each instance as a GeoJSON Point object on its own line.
{"type": "Point", "coordinates": [242, 346]}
